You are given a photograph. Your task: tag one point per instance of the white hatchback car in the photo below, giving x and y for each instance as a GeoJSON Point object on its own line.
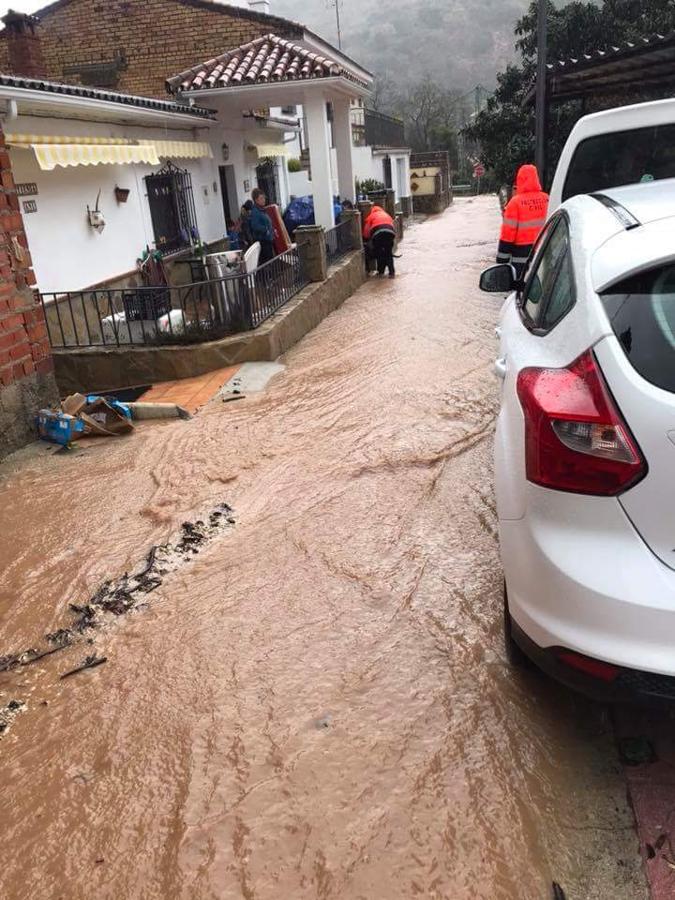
{"type": "Point", "coordinates": [585, 444]}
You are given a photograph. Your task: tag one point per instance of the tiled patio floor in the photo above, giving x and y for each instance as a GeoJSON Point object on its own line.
{"type": "Point", "coordinates": [190, 393]}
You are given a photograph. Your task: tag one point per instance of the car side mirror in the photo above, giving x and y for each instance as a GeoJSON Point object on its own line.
{"type": "Point", "coordinates": [498, 279]}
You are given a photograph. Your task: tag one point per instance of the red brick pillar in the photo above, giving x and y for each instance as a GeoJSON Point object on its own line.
{"type": "Point", "coordinates": [24, 46]}
{"type": "Point", "coordinates": [26, 364]}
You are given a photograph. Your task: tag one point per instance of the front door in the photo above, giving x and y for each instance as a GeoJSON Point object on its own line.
{"type": "Point", "coordinates": [266, 176]}
{"type": "Point", "coordinates": [387, 172]}
{"type": "Point", "coordinates": [229, 197]}
{"type": "Point", "coordinates": [164, 212]}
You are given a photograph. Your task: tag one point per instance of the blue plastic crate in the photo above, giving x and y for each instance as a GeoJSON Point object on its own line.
{"type": "Point", "coordinates": [57, 427]}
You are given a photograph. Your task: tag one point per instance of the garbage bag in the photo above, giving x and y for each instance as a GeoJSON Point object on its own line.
{"type": "Point", "coordinates": [300, 211]}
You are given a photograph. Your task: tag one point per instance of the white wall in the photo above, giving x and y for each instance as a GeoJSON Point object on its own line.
{"type": "Point", "coordinates": [366, 165]}
{"type": "Point", "coordinates": [371, 165]}
{"type": "Point", "coordinates": [67, 253]}
{"type": "Point", "coordinates": [299, 184]}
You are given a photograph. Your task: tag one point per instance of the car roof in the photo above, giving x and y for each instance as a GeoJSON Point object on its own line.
{"type": "Point", "coordinates": [646, 202]}
{"type": "Point", "coordinates": [625, 230]}
{"type": "Point", "coordinates": [620, 118]}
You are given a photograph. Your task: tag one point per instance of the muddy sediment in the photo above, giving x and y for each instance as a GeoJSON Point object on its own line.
{"type": "Point", "coordinates": [116, 597]}
{"type": "Point", "coordinates": [319, 706]}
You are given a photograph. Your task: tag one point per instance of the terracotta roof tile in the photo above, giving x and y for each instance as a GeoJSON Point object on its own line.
{"type": "Point", "coordinates": [262, 61]}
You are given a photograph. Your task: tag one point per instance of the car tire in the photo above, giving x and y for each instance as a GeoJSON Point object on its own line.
{"type": "Point", "coordinates": [514, 654]}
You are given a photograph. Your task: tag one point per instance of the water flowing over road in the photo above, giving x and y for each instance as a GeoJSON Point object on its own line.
{"type": "Point", "coordinates": [317, 705]}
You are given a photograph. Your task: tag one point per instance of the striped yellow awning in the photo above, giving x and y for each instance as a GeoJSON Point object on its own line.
{"type": "Point", "coordinates": [183, 149]}
{"type": "Point", "coordinates": [27, 140]}
{"type": "Point", "coordinates": [271, 150]}
{"type": "Point", "coordinates": [59, 150]}
{"type": "Point", "coordinates": [49, 156]}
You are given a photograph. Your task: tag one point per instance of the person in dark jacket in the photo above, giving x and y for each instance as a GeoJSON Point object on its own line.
{"type": "Point", "coordinates": [379, 235]}
{"type": "Point", "coordinates": [261, 226]}
{"type": "Point", "coordinates": [245, 236]}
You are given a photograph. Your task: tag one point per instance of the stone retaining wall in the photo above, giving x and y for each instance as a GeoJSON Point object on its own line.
{"type": "Point", "coordinates": [110, 368]}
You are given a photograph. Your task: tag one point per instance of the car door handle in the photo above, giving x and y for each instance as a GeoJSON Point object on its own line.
{"type": "Point", "coordinates": [500, 367]}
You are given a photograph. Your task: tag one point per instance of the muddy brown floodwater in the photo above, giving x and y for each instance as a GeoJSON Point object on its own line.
{"type": "Point", "coordinates": [317, 705]}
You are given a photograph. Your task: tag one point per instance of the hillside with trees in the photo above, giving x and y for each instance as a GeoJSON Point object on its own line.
{"type": "Point", "coordinates": [429, 55]}
{"type": "Point", "coordinates": [505, 128]}
{"type": "Point", "coordinates": [459, 43]}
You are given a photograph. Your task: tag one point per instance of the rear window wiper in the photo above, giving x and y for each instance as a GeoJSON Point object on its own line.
{"type": "Point", "coordinates": [627, 219]}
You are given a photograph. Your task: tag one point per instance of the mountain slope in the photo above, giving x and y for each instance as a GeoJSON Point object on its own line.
{"type": "Point", "coordinates": [460, 43]}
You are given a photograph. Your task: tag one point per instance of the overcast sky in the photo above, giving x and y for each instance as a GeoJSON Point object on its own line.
{"type": "Point", "coordinates": [32, 5]}
{"type": "Point", "coordinates": [21, 5]}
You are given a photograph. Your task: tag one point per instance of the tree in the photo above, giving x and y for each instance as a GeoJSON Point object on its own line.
{"type": "Point", "coordinates": [384, 97]}
{"type": "Point", "coordinates": [432, 116]}
{"type": "Point", "coordinates": [505, 129]}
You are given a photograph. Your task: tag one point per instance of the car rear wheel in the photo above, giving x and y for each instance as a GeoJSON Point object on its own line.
{"type": "Point", "coordinates": [514, 654]}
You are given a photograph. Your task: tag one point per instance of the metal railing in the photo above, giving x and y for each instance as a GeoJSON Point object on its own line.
{"type": "Point", "coordinates": [339, 241]}
{"type": "Point", "coordinates": [383, 131]}
{"type": "Point", "coordinates": [180, 314]}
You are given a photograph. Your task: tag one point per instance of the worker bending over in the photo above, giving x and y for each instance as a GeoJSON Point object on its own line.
{"type": "Point", "coordinates": [379, 235]}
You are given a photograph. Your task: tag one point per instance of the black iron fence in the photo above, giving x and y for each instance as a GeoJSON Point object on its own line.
{"type": "Point", "coordinates": [340, 241]}
{"type": "Point", "coordinates": [184, 314]}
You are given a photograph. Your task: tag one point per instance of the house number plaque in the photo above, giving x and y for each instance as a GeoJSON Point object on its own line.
{"type": "Point", "coordinates": [30, 206]}
{"type": "Point", "coordinates": [27, 189]}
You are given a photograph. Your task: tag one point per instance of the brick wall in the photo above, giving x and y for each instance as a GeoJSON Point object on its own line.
{"type": "Point", "coordinates": [23, 45]}
{"type": "Point", "coordinates": [26, 365]}
{"type": "Point", "coordinates": [134, 45]}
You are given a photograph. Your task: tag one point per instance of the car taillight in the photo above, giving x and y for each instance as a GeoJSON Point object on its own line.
{"type": "Point", "coordinates": [575, 437]}
{"type": "Point", "coordinates": [593, 667]}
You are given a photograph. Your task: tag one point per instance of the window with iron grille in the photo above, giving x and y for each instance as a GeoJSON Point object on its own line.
{"type": "Point", "coordinates": [172, 208]}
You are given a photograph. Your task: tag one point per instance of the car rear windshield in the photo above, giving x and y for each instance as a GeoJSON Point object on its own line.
{"type": "Point", "coordinates": [642, 312]}
{"type": "Point", "coordinates": [619, 158]}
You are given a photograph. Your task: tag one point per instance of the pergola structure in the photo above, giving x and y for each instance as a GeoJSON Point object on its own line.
{"type": "Point", "coordinates": [620, 70]}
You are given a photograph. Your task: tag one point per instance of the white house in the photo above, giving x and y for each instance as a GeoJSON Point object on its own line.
{"type": "Point", "coordinates": [102, 175]}
{"type": "Point", "coordinates": [312, 77]}
{"type": "Point", "coordinates": [75, 149]}
{"type": "Point", "coordinates": [379, 154]}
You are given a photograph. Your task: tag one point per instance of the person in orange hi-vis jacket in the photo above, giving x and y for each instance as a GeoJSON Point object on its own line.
{"type": "Point", "coordinates": [379, 235]}
{"type": "Point", "coordinates": [524, 217]}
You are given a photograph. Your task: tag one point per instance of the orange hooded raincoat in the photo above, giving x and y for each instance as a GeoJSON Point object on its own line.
{"type": "Point", "coordinates": [524, 217]}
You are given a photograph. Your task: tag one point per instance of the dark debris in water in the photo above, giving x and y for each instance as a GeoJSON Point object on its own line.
{"type": "Point", "coordinates": [119, 596]}
{"type": "Point", "coordinates": [8, 713]}
{"type": "Point", "coordinates": [90, 662]}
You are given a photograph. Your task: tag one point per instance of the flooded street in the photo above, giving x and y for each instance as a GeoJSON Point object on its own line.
{"type": "Point", "coordinates": [318, 704]}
